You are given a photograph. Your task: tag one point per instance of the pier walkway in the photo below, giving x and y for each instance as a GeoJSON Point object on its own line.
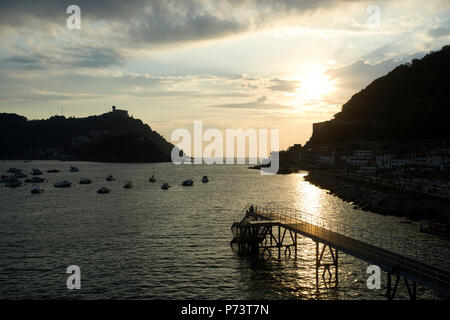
{"type": "Point", "coordinates": [254, 233]}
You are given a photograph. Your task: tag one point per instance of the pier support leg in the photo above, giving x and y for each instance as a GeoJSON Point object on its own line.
{"type": "Point", "coordinates": [317, 265]}
{"type": "Point", "coordinates": [391, 290]}
{"type": "Point", "coordinates": [336, 261]}
{"type": "Point", "coordinates": [334, 255]}
{"type": "Point", "coordinates": [411, 291]}
{"type": "Point", "coordinates": [279, 243]}
{"type": "Point", "coordinates": [271, 236]}
{"type": "Point", "coordinates": [295, 245]}
{"type": "Point", "coordinates": [388, 293]}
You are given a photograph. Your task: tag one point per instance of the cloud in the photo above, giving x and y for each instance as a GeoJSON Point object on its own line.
{"type": "Point", "coordinates": [260, 104]}
{"type": "Point", "coordinates": [359, 74]}
{"type": "Point", "coordinates": [439, 31]}
{"type": "Point", "coordinates": [146, 22]}
{"type": "Point", "coordinates": [79, 57]}
{"type": "Point", "coordinates": [284, 85]}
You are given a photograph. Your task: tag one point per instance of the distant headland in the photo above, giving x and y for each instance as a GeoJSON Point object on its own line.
{"type": "Point", "coordinates": [110, 137]}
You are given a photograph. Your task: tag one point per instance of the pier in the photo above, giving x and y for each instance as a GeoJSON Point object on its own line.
{"type": "Point", "coordinates": [260, 230]}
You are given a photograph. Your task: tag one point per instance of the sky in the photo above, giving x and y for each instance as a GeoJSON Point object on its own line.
{"type": "Point", "coordinates": [232, 64]}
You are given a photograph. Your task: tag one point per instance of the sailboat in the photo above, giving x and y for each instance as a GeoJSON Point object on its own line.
{"type": "Point", "coordinates": [152, 178]}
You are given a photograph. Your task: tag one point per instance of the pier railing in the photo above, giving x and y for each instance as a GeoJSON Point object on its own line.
{"type": "Point", "coordinates": [329, 227]}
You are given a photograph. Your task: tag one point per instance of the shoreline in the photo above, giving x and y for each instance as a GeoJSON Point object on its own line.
{"type": "Point", "coordinates": [382, 199]}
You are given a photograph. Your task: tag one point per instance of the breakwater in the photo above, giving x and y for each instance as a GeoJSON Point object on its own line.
{"type": "Point", "coordinates": [375, 197]}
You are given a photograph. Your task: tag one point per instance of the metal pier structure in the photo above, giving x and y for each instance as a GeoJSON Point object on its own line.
{"type": "Point", "coordinates": [260, 230]}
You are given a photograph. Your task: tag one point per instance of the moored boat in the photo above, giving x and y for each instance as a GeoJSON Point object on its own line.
{"type": "Point", "coordinates": [36, 172]}
{"type": "Point", "coordinates": [63, 184]}
{"type": "Point", "coordinates": [20, 175]}
{"type": "Point", "coordinates": [205, 179]}
{"type": "Point", "coordinates": [110, 178]}
{"type": "Point", "coordinates": [187, 183]}
{"type": "Point", "coordinates": [85, 181]}
{"type": "Point", "coordinates": [5, 178]}
{"type": "Point", "coordinates": [35, 180]}
{"type": "Point", "coordinates": [165, 186]}
{"type": "Point", "coordinates": [74, 169]}
{"type": "Point", "coordinates": [52, 170]}
{"type": "Point", "coordinates": [129, 185]}
{"type": "Point", "coordinates": [13, 183]}
{"type": "Point", "coordinates": [152, 178]}
{"type": "Point", "coordinates": [37, 189]}
{"type": "Point", "coordinates": [103, 190]}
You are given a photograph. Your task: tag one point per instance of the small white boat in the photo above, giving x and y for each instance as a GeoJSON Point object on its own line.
{"type": "Point", "coordinates": [129, 185]}
{"type": "Point", "coordinates": [37, 189]}
{"type": "Point", "coordinates": [205, 179]}
{"type": "Point", "coordinates": [110, 178]}
{"type": "Point", "coordinates": [74, 169]}
{"type": "Point", "coordinates": [165, 186]}
{"type": "Point", "coordinates": [85, 181]}
{"type": "Point", "coordinates": [103, 190]}
{"type": "Point", "coordinates": [63, 184]}
{"type": "Point", "coordinates": [187, 183]}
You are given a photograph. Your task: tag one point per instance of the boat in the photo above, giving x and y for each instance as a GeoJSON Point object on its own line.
{"type": "Point", "coordinates": [187, 183]}
{"type": "Point", "coordinates": [85, 181]}
{"type": "Point", "coordinates": [63, 184]}
{"type": "Point", "coordinates": [37, 189]}
{"type": "Point", "coordinates": [20, 175]}
{"type": "Point", "coordinates": [103, 190]}
{"type": "Point", "coordinates": [165, 186]}
{"type": "Point", "coordinates": [110, 178]}
{"type": "Point", "coordinates": [36, 172]}
{"type": "Point", "coordinates": [13, 183]}
{"type": "Point", "coordinates": [74, 169]}
{"type": "Point", "coordinates": [129, 185]}
{"type": "Point", "coordinates": [14, 170]}
{"type": "Point", "coordinates": [4, 178]}
{"type": "Point", "coordinates": [152, 178]}
{"type": "Point", "coordinates": [53, 171]}
{"type": "Point", "coordinates": [205, 179]}
{"type": "Point", "coordinates": [35, 180]}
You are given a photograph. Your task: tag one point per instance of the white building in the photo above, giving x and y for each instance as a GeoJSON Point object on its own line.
{"type": "Point", "coordinates": [360, 158]}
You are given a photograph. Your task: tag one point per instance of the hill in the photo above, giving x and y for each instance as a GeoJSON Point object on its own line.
{"type": "Point", "coordinates": [112, 137]}
{"type": "Point", "coordinates": [411, 102]}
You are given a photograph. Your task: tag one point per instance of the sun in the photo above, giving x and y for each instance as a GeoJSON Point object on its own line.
{"type": "Point", "coordinates": [314, 85]}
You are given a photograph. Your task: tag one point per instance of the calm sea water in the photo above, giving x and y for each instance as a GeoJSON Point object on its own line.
{"type": "Point", "coordinates": [147, 243]}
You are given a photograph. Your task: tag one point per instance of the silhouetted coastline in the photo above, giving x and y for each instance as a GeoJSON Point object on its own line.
{"type": "Point", "coordinates": [111, 137]}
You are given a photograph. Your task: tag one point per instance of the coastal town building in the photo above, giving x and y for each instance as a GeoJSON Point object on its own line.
{"type": "Point", "coordinates": [328, 158]}
{"type": "Point", "coordinates": [359, 158]}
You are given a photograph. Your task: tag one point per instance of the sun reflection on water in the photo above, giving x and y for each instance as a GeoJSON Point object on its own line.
{"type": "Point", "coordinates": [308, 197]}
